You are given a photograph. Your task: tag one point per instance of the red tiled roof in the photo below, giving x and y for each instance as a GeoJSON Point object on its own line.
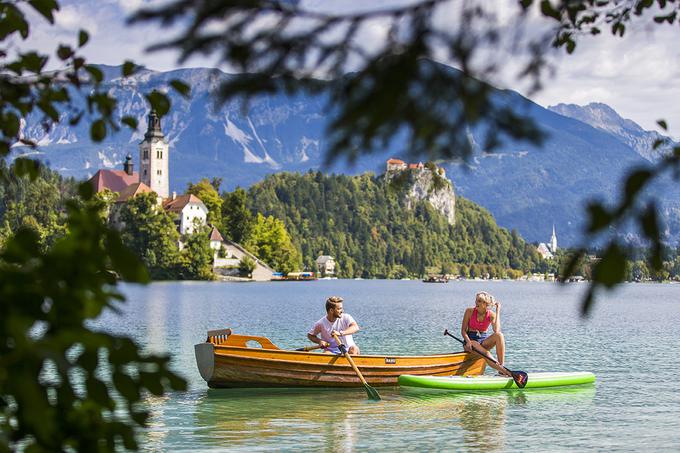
{"type": "Point", "coordinates": [114, 180]}
{"type": "Point", "coordinates": [180, 202]}
{"type": "Point", "coordinates": [412, 165]}
{"type": "Point", "coordinates": [132, 190]}
{"type": "Point", "coordinates": [396, 161]}
{"type": "Point", "coordinates": [215, 235]}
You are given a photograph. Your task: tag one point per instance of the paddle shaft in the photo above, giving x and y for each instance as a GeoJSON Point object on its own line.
{"type": "Point", "coordinates": [372, 393]}
{"type": "Point", "coordinates": [486, 355]}
{"type": "Point", "coordinates": [310, 348]}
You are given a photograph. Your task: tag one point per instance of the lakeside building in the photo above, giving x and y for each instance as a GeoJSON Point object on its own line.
{"type": "Point", "coordinates": [547, 251]}
{"type": "Point", "coordinates": [325, 266]}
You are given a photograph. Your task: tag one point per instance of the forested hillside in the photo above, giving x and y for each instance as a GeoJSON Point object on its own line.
{"type": "Point", "coordinates": [363, 222]}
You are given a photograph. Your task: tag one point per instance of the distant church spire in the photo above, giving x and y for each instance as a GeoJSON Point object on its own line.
{"type": "Point", "coordinates": [553, 240]}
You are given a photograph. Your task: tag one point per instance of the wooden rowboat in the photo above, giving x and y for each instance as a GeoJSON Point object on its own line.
{"type": "Point", "coordinates": [230, 360]}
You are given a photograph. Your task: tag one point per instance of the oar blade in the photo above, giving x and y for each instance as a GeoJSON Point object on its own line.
{"type": "Point", "coordinates": [372, 393]}
{"type": "Point", "coordinates": [520, 378]}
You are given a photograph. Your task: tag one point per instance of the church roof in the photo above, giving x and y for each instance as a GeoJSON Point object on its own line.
{"type": "Point", "coordinates": [180, 202]}
{"type": "Point", "coordinates": [396, 161]}
{"type": "Point", "coordinates": [215, 235]}
{"type": "Point", "coordinates": [114, 180]}
{"type": "Point", "coordinates": [133, 190]}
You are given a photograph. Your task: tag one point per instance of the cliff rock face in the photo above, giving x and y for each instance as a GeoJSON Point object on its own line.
{"type": "Point", "coordinates": [429, 184]}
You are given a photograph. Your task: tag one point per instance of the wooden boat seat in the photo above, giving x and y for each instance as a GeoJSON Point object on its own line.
{"type": "Point", "coordinates": [225, 337]}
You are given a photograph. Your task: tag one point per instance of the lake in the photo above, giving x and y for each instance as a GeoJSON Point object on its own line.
{"type": "Point", "coordinates": [629, 342]}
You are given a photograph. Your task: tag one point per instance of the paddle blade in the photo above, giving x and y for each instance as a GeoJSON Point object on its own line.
{"type": "Point", "coordinates": [372, 393]}
{"type": "Point", "coordinates": [520, 378]}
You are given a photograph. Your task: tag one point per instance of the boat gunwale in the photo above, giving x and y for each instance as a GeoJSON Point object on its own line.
{"type": "Point", "coordinates": [321, 354]}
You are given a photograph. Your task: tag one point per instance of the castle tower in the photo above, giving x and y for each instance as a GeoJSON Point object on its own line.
{"type": "Point", "coordinates": [154, 157]}
{"type": "Point", "coordinates": [553, 241]}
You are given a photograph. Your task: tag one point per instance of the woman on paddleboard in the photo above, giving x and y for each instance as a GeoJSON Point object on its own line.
{"type": "Point", "coordinates": [474, 329]}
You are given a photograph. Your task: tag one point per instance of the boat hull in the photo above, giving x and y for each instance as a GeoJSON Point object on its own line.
{"type": "Point", "coordinates": [475, 383]}
{"type": "Point", "coordinates": [224, 366]}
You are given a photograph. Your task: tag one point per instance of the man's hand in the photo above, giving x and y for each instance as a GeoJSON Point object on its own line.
{"type": "Point", "coordinates": [338, 333]}
{"type": "Point", "coordinates": [324, 344]}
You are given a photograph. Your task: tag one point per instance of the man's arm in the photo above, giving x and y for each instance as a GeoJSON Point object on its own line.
{"type": "Point", "coordinates": [351, 329]}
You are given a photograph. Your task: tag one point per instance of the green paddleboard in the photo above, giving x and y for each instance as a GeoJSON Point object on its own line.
{"type": "Point", "coordinates": [536, 380]}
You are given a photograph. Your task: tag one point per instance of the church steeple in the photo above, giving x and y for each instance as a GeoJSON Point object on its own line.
{"type": "Point", "coordinates": [553, 240]}
{"type": "Point", "coordinates": [154, 127]}
{"type": "Point", "coordinates": [154, 157]}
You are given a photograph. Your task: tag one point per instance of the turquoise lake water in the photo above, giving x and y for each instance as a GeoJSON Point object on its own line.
{"type": "Point", "coordinates": [630, 342]}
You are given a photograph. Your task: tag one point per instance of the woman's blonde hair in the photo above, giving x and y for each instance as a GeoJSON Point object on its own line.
{"type": "Point", "coordinates": [484, 297]}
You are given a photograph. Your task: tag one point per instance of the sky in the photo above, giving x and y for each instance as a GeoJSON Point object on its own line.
{"type": "Point", "coordinates": [637, 75]}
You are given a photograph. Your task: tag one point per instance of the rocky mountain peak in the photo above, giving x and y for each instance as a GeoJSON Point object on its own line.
{"type": "Point", "coordinates": [603, 117]}
{"type": "Point", "coordinates": [425, 182]}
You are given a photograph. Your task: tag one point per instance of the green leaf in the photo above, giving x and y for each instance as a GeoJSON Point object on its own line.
{"type": "Point", "coordinates": [618, 28]}
{"type": "Point", "coordinates": [27, 167]}
{"type": "Point", "coordinates": [181, 87]}
{"type": "Point", "coordinates": [98, 130]}
{"type": "Point", "coordinates": [159, 102]}
{"type": "Point", "coordinates": [635, 182]}
{"type": "Point", "coordinates": [126, 386]}
{"type": "Point", "coordinates": [129, 68]}
{"type": "Point", "coordinates": [140, 417]}
{"type": "Point", "coordinates": [95, 72]}
{"type": "Point", "coordinates": [151, 381]}
{"type": "Point", "coordinates": [13, 20]}
{"type": "Point", "coordinates": [85, 190]}
{"type": "Point", "coordinates": [33, 62]}
{"type": "Point", "coordinates": [611, 269]}
{"type": "Point", "coordinates": [548, 10]}
{"type": "Point", "coordinates": [10, 125]}
{"type": "Point", "coordinates": [97, 391]}
{"type": "Point", "coordinates": [124, 261]}
{"type": "Point", "coordinates": [46, 8]}
{"type": "Point", "coordinates": [83, 38]}
{"type": "Point", "coordinates": [64, 52]}
{"type": "Point", "coordinates": [599, 217]}
{"type": "Point", "coordinates": [130, 122]}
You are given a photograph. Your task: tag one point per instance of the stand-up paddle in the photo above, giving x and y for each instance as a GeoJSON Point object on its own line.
{"type": "Point", "coordinates": [520, 377]}
{"type": "Point", "coordinates": [372, 393]}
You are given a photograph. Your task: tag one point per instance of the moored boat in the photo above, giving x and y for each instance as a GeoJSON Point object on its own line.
{"type": "Point", "coordinates": [229, 360]}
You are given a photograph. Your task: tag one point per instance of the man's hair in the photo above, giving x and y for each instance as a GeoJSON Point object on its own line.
{"type": "Point", "coordinates": [332, 301]}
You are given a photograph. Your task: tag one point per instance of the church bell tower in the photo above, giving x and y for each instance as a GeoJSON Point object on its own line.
{"type": "Point", "coordinates": [154, 157]}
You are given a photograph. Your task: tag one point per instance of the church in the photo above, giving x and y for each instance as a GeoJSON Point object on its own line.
{"type": "Point", "coordinates": [153, 176]}
{"type": "Point", "coordinates": [547, 251]}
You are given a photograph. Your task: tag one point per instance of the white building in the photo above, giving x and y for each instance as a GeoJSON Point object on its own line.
{"type": "Point", "coordinates": [325, 265]}
{"type": "Point", "coordinates": [547, 251]}
{"type": "Point", "coordinates": [188, 210]}
{"type": "Point", "coordinates": [154, 157]}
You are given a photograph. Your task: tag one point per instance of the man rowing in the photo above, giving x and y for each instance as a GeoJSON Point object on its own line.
{"type": "Point", "coordinates": [335, 322]}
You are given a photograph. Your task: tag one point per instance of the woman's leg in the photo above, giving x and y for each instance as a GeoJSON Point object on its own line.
{"type": "Point", "coordinates": [483, 350]}
{"type": "Point", "coordinates": [496, 340]}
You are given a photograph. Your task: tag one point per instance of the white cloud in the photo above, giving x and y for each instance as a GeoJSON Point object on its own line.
{"type": "Point", "coordinates": [638, 75]}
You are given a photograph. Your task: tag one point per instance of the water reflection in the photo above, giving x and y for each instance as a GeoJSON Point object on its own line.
{"type": "Point", "coordinates": [339, 420]}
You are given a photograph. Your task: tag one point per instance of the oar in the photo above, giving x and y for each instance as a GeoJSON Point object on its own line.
{"type": "Point", "coordinates": [520, 377]}
{"type": "Point", "coordinates": [310, 347]}
{"type": "Point", "coordinates": [372, 393]}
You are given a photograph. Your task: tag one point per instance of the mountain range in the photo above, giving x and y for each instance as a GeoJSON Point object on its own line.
{"type": "Point", "coordinates": [528, 188]}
